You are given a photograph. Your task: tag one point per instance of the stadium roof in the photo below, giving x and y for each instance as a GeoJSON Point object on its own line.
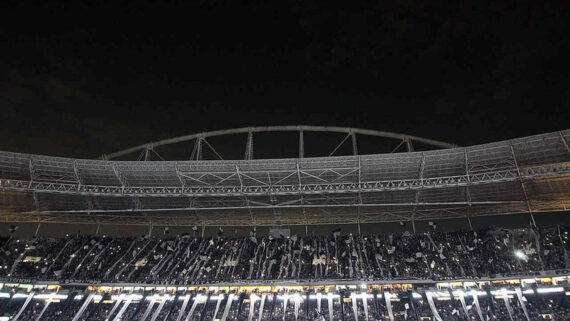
{"type": "Point", "coordinates": [530, 174]}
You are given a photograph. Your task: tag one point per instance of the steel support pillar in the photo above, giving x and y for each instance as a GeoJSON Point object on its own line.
{"type": "Point", "coordinates": [467, 192]}
{"type": "Point", "coordinates": [301, 145]}
{"type": "Point", "coordinates": [249, 147]}
{"type": "Point", "coordinates": [523, 186]}
{"type": "Point", "coordinates": [354, 145]}
{"type": "Point", "coordinates": [38, 229]}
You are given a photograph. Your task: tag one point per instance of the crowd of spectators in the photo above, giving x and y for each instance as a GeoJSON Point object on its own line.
{"type": "Point", "coordinates": [187, 259]}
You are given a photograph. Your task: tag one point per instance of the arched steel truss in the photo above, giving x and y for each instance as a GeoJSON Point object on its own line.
{"type": "Point", "coordinates": [200, 140]}
{"type": "Point", "coordinates": [530, 174]}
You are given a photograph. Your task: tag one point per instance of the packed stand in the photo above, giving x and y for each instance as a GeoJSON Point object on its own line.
{"type": "Point", "coordinates": [186, 259]}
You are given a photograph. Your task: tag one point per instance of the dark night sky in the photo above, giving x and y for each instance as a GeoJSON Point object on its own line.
{"type": "Point", "coordinates": [84, 79]}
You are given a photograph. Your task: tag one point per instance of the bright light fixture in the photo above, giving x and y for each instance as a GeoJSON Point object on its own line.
{"type": "Point", "coordinates": [519, 254]}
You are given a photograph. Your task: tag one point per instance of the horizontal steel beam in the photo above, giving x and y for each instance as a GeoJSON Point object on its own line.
{"type": "Point", "coordinates": [294, 189]}
{"type": "Point", "coordinates": [189, 220]}
{"type": "Point", "coordinates": [285, 206]}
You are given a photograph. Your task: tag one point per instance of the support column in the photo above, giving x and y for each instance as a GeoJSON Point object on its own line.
{"type": "Point", "coordinates": [307, 305]}
{"type": "Point", "coordinates": [28, 299]}
{"type": "Point", "coordinates": [123, 309]}
{"type": "Point", "coordinates": [523, 186]}
{"type": "Point", "coordinates": [37, 229]}
{"type": "Point", "coordinates": [301, 145]}
{"type": "Point", "coordinates": [417, 194]}
{"type": "Point", "coordinates": [359, 194]}
{"type": "Point", "coordinates": [193, 308]}
{"type": "Point", "coordinates": [249, 146]}
{"type": "Point", "coordinates": [342, 305]}
{"type": "Point", "coordinates": [564, 142]}
{"type": "Point", "coordinates": [83, 307]}
{"type": "Point", "coordinates": [409, 145]}
{"type": "Point", "coordinates": [147, 153]}
{"type": "Point", "coordinates": [183, 308]}
{"type": "Point", "coordinates": [157, 311]}
{"type": "Point", "coordinates": [197, 150]}
{"type": "Point", "coordinates": [354, 146]}
{"type": "Point", "coordinates": [46, 306]}
{"type": "Point", "coordinates": [467, 192]}
{"type": "Point", "coordinates": [148, 309]}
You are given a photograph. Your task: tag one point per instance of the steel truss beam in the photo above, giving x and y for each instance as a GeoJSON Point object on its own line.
{"type": "Point", "coordinates": [530, 174]}
{"type": "Point", "coordinates": [264, 188]}
{"type": "Point", "coordinates": [298, 128]}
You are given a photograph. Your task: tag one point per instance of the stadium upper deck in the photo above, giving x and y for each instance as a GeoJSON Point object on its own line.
{"type": "Point", "coordinates": [529, 174]}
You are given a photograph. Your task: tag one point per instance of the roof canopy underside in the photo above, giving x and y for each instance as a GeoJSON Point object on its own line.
{"type": "Point", "coordinates": [516, 176]}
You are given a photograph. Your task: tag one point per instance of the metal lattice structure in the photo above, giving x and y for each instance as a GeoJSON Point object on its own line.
{"type": "Point", "coordinates": [200, 139]}
{"type": "Point", "coordinates": [525, 175]}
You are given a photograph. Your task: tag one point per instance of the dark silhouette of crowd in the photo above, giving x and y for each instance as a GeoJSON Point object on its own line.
{"type": "Point", "coordinates": [191, 260]}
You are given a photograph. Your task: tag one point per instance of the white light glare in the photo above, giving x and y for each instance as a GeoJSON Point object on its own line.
{"type": "Point", "coordinates": [478, 293]}
{"type": "Point", "coordinates": [135, 297]}
{"type": "Point", "coordinates": [52, 296]}
{"type": "Point", "coordinates": [550, 290]}
{"type": "Point", "coordinates": [502, 292]}
{"type": "Point", "coordinates": [295, 297]}
{"type": "Point", "coordinates": [521, 255]}
{"type": "Point", "coordinates": [201, 297]}
{"type": "Point", "coordinates": [329, 295]}
{"type": "Point", "coordinates": [158, 297]}
{"type": "Point", "coordinates": [361, 295]}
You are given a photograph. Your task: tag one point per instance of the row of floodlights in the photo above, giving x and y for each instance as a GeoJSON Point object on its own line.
{"type": "Point", "coordinates": [294, 296]}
